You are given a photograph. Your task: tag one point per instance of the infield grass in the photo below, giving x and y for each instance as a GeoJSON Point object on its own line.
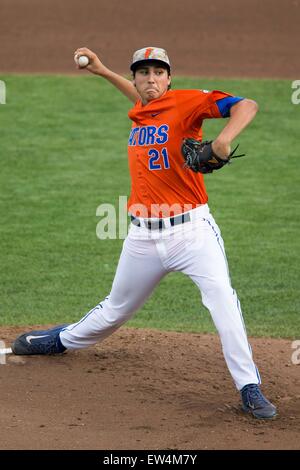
{"type": "Point", "coordinates": [63, 153]}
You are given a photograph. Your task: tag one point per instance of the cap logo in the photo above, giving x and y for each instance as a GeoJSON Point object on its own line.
{"type": "Point", "coordinates": [148, 52]}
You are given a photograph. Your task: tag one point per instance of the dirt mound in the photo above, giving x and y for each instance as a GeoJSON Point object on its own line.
{"type": "Point", "coordinates": [145, 389]}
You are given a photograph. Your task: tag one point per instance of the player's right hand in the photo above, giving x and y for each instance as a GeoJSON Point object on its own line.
{"type": "Point", "coordinates": [95, 66]}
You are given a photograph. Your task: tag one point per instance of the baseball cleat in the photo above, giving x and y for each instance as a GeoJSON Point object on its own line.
{"type": "Point", "coordinates": [254, 402]}
{"type": "Point", "coordinates": [39, 342]}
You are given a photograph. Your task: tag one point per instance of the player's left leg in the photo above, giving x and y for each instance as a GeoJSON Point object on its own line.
{"type": "Point", "coordinates": [205, 263]}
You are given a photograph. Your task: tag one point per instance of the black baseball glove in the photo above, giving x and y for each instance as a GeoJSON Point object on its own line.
{"type": "Point", "coordinates": [200, 157]}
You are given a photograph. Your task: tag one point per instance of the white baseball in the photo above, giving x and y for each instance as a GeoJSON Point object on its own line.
{"type": "Point", "coordinates": [83, 61]}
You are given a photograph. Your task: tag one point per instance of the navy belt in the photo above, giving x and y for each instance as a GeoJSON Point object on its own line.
{"type": "Point", "coordinates": [160, 223]}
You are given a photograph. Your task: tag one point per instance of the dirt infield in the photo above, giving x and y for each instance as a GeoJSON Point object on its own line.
{"type": "Point", "coordinates": [144, 389]}
{"type": "Point", "coordinates": [249, 38]}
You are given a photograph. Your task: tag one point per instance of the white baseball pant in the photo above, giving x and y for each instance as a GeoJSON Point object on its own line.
{"type": "Point", "coordinates": [194, 248]}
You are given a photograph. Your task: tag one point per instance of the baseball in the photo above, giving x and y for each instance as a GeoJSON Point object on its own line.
{"type": "Point", "coordinates": [83, 61]}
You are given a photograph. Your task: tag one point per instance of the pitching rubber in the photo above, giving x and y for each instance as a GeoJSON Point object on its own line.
{"type": "Point", "coordinates": [5, 351]}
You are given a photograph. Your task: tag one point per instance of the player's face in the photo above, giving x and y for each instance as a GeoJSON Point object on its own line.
{"type": "Point", "coordinates": [151, 82]}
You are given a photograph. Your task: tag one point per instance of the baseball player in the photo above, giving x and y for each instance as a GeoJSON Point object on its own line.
{"type": "Point", "coordinates": [171, 228]}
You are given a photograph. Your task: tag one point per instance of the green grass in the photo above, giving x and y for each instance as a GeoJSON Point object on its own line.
{"type": "Point", "coordinates": [63, 153]}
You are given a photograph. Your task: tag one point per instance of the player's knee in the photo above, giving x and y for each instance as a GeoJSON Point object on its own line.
{"type": "Point", "coordinates": [216, 296]}
{"type": "Point", "coordinates": [116, 315]}
{"type": "Point", "coordinates": [219, 288]}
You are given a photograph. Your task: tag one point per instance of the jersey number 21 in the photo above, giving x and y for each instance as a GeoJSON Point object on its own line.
{"type": "Point", "coordinates": [158, 160]}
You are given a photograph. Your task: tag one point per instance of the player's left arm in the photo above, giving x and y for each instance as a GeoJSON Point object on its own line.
{"type": "Point", "coordinates": [240, 115]}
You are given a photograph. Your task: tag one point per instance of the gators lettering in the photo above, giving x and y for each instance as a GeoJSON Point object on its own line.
{"type": "Point", "coordinates": [149, 135]}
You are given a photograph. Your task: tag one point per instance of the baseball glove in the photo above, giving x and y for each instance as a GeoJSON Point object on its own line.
{"type": "Point", "coordinates": [200, 157]}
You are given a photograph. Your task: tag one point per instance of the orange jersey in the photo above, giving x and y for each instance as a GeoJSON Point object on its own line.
{"type": "Point", "coordinates": [159, 179]}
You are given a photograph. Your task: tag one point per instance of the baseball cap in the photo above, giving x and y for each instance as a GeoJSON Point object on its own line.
{"type": "Point", "coordinates": [149, 53]}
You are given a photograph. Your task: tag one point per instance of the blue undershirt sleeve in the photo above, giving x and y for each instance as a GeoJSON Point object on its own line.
{"type": "Point", "coordinates": [224, 104]}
